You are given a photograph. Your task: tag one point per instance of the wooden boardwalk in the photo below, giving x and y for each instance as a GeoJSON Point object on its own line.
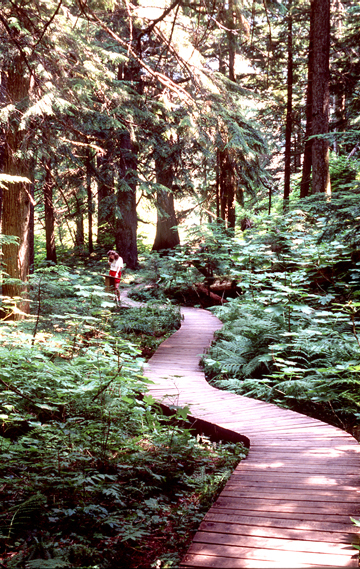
{"type": "Point", "coordinates": [289, 503]}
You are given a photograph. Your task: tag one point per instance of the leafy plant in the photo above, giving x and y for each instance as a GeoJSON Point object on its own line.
{"type": "Point", "coordinates": [91, 469]}
{"type": "Point", "coordinates": [291, 338]}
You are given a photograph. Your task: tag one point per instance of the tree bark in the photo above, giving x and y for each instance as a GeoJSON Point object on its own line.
{"type": "Point", "coordinates": [289, 113]}
{"type": "Point", "coordinates": [126, 221]}
{"type": "Point", "coordinates": [321, 81]}
{"type": "Point", "coordinates": [49, 216]}
{"type": "Point", "coordinates": [126, 217]}
{"type": "Point", "coordinates": [167, 235]}
{"type": "Point", "coordinates": [217, 184]}
{"type": "Point", "coordinates": [106, 201]}
{"type": "Point", "coordinates": [16, 199]}
{"type": "Point", "coordinates": [89, 200]}
{"type": "Point", "coordinates": [32, 231]}
{"type": "Point", "coordinates": [227, 188]}
{"type": "Point", "coordinates": [337, 10]}
{"type": "Point", "coordinates": [307, 161]}
{"type": "Point", "coordinates": [225, 169]}
{"type": "Point", "coordinates": [79, 236]}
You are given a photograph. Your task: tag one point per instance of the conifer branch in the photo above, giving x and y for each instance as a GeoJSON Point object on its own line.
{"type": "Point", "coordinates": [150, 28]}
{"type": "Point", "coordinates": [163, 79]}
{"type": "Point", "coordinates": [175, 54]}
{"type": "Point", "coordinates": [46, 27]}
{"type": "Point", "coordinates": [15, 41]}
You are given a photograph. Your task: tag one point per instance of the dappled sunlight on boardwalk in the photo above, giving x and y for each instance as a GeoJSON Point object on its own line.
{"type": "Point", "coordinates": [289, 503]}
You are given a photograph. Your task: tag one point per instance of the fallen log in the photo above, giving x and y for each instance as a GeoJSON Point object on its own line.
{"type": "Point", "coordinates": [214, 297]}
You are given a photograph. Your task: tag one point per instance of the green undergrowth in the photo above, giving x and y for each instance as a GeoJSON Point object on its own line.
{"type": "Point", "coordinates": [147, 326]}
{"type": "Point", "coordinates": [314, 369]}
{"type": "Point", "coordinates": [92, 474]}
{"type": "Point", "coordinates": [292, 335]}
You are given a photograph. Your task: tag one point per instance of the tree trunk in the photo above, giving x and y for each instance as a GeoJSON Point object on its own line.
{"type": "Point", "coordinates": [106, 201]}
{"type": "Point", "coordinates": [89, 200]}
{"type": "Point", "coordinates": [79, 236]}
{"type": "Point", "coordinates": [126, 218]}
{"type": "Point", "coordinates": [167, 235]}
{"type": "Point", "coordinates": [231, 33]}
{"type": "Point", "coordinates": [289, 115]}
{"type": "Point", "coordinates": [32, 231]}
{"type": "Point", "coordinates": [337, 14]}
{"type": "Point", "coordinates": [126, 221]}
{"type": "Point", "coordinates": [16, 199]}
{"type": "Point", "coordinates": [49, 217]}
{"type": "Point", "coordinates": [321, 80]}
{"type": "Point", "coordinates": [226, 176]}
{"type": "Point", "coordinates": [227, 188]}
{"type": "Point", "coordinates": [217, 184]}
{"type": "Point", "coordinates": [307, 161]}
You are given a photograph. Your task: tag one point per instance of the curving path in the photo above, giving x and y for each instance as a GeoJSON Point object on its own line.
{"type": "Point", "coordinates": [289, 503]}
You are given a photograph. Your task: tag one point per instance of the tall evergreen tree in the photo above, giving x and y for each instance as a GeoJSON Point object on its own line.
{"type": "Point", "coordinates": [289, 110]}
{"type": "Point", "coordinates": [16, 203]}
{"type": "Point", "coordinates": [320, 96]}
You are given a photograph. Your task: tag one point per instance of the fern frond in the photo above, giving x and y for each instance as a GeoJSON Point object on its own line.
{"type": "Point", "coordinates": [25, 512]}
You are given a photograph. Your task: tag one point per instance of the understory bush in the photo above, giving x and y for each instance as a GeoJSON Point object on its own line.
{"type": "Point", "coordinates": [92, 474]}
{"type": "Point", "coordinates": [291, 338]}
{"type": "Point", "coordinates": [256, 356]}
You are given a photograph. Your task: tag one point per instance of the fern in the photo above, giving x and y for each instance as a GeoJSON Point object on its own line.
{"type": "Point", "coordinates": [24, 514]}
{"type": "Point", "coordinates": [55, 563]}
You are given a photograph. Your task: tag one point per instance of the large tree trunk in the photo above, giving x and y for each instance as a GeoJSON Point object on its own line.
{"type": "Point", "coordinates": [126, 217]}
{"type": "Point", "coordinates": [126, 221]}
{"type": "Point", "coordinates": [32, 231]}
{"type": "Point", "coordinates": [167, 235]}
{"type": "Point", "coordinates": [79, 235]}
{"type": "Point", "coordinates": [337, 14]}
{"type": "Point", "coordinates": [49, 216]}
{"type": "Point", "coordinates": [227, 188]}
{"type": "Point", "coordinates": [17, 198]}
{"type": "Point", "coordinates": [226, 182]}
{"type": "Point", "coordinates": [321, 80]}
{"type": "Point", "coordinates": [106, 201]}
{"type": "Point", "coordinates": [307, 161]}
{"type": "Point", "coordinates": [89, 199]}
{"type": "Point", "coordinates": [217, 185]}
{"type": "Point", "coordinates": [289, 115]}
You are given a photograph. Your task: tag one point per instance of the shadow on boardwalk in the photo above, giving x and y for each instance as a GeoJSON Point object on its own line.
{"type": "Point", "coordinates": [289, 503]}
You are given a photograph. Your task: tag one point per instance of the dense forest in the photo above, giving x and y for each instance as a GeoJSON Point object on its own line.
{"type": "Point", "coordinates": [215, 146]}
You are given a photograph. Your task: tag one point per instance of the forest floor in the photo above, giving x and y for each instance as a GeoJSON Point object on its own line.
{"type": "Point", "coordinates": [92, 474]}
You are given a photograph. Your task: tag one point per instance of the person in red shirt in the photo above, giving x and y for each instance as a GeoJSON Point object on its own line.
{"type": "Point", "coordinates": [116, 264]}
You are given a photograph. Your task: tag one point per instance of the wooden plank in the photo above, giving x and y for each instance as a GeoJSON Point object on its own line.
{"type": "Point", "coordinates": [294, 520]}
{"type": "Point", "coordinates": [261, 530]}
{"type": "Point", "coordinates": [295, 468]}
{"type": "Point", "coordinates": [290, 457]}
{"type": "Point", "coordinates": [258, 542]}
{"type": "Point", "coordinates": [316, 477]}
{"type": "Point", "coordinates": [291, 494]}
{"type": "Point", "coordinates": [274, 504]}
{"type": "Point", "coordinates": [289, 460]}
{"type": "Point", "coordinates": [267, 554]}
{"type": "Point", "coordinates": [196, 560]}
{"type": "Point", "coordinates": [286, 485]}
